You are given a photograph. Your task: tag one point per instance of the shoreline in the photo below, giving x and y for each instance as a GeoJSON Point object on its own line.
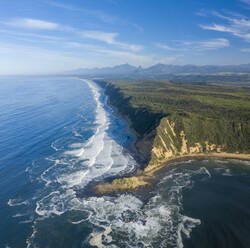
{"type": "Point", "coordinates": [143, 174]}
{"type": "Point", "coordinates": [129, 130]}
{"type": "Point", "coordinates": [143, 178]}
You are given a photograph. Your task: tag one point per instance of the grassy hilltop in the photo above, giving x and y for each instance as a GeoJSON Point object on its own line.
{"type": "Point", "coordinates": [179, 119]}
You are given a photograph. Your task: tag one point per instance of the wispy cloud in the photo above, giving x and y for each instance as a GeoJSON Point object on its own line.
{"type": "Point", "coordinates": [245, 50]}
{"type": "Point", "coordinates": [214, 44]}
{"type": "Point", "coordinates": [32, 60]}
{"type": "Point", "coordinates": [110, 38]}
{"type": "Point", "coordinates": [97, 14]}
{"type": "Point", "coordinates": [167, 47]}
{"type": "Point", "coordinates": [32, 24]}
{"type": "Point", "coordinates": [202, 12]}
{"type": "Point", "coordinates": [135, 59]}
{"type": "Point", "coordinates": [127, 56]}
{"type": "Point", "coordinates": [211, 44]}
{"type": "Point", "coordinates": [32, 35]}
{"type": "Point", "coordinates": [52, 60]}
{"type": "Point", "coordinates": [238, 26]}
{"type": "Point", "coordinates": [101, 36]}
{"type": "Point", "coordinates": [63, 6]}
{"type": "Point", "coordinates": [122, 56]}
{"type": "Point", "coordinates": [246, 1]}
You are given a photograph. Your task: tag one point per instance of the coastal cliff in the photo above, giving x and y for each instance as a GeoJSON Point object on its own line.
{"type": "Point", "coordinates": [173, 133]}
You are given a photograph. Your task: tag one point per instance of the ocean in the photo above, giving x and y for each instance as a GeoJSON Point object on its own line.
{"type": "Point", "coordinates": [58, 135]}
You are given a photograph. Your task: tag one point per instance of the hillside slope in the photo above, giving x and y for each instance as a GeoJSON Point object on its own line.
{"type": "Point", "coordinates": [176, 120]}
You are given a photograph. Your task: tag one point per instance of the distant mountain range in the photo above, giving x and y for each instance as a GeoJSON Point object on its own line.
{"type": "Point", "coordinates": [160, 69]}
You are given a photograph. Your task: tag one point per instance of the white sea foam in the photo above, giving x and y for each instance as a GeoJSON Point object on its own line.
{"type": "Point", "coordinates": [227, 173]}
{"type": "Point", "coordinates": [185, 227]}
{"type": "Point", "coordinates": [98, 154]}
{"type": "Point", "coordinates": [76, 145]}
{"type": "Point", "coordinates": [17, 202]}
{"type": "Point", "coordinates": [221, 161]}
{"type": "Point", "coordinates": [159, 220]}
{"type": "Point", "coordinates": [29, 240]}
{"type": "Point", "coordinates": [18, 215]}
{"type": "Point", "coordinates": [224, 171]}
{"type": "Point", "coordinates": [26, 221]}
{"type": "Point", "coordinates": [245, 162]}
{"type": "Point", "coordinates": [53, 146]}
{"type": "Point", "coordinates": [50, 204]}
{"type": "Point", "coordinates": [76, 133]}
{"type": "Point", "coordinates": [205, 170]}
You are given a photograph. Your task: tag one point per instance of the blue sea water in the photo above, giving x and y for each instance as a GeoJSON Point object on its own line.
{"type": "Point", "coordinates": [53, 134]}
{"type": "Point", "coordinates": [57, 135]}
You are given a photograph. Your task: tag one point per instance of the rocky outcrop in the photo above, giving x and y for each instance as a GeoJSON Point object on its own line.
{"type": "Point", "coordinates": [127, 184]}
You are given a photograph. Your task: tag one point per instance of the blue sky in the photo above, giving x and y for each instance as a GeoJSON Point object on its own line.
{"type": "Point", "coordinates": [47, 36]}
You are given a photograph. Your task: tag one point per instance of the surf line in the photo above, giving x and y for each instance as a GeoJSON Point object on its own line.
{"type": "Point", "coordinates": [100, 153]}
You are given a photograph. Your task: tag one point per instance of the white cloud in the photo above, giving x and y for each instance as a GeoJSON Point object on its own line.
{"type": "Point", "coordinates": [246, 1]}
{"type": "Point", "coordinates": [167, 47]}
{"type": "Point", "coordinates": [124, 56]}
{"type": "Point", "coordinates": [98, 14]}
{"type": "Point", "coordinates": [32, 24]}
{"type": "Point", "coordinates": [201, 12]}
{"type": "Point", "coordinates": [110, 38]}
{"type": "Point", "coordinates": [73, 44]}
{"type": "Point", "coordinates": [101, 36]}
{"type": "Point", "coordinates": [106, 37]}
{"type": "Point", "coordinates": [196, 45]}
{"type": "Point", "coordinates": [214, 44]}
{"type": "Point", "coordinates": [135, 59]}
{"type": "Point", "coordinates": [32, 35]}
{"type": "Point", "coordinates": [131, 47]}
{"type": "Point", "coordinates": [238, 26]}
{"type": "Point", "coordinates": [19, 59]}
{"type": "Point", "coordinates": [63, 6]}
{"type": "Point", "coordinates": [245, 50]}
{"type": "Point", "coordinates": [219, 28]}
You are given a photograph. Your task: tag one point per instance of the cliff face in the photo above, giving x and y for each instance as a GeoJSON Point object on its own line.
{"type": "Point", "coordinates": [170, 143]}
{"type": "Point", "coordinates": [183, 136]}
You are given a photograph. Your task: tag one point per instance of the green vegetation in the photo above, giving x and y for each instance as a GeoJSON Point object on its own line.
{"type": "Point", "coordinates": [229, 79]}
{"type": "Point", "coordinates": [174, 120]}
{"type": "Point", "coordinates": [217, 114]}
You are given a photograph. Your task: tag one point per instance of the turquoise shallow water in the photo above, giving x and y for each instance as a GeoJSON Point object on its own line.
{"type": "Point", "coordinates": [58, 135]}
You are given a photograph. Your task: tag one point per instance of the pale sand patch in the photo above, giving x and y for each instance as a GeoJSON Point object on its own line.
{"type": "Point", "coordinates": [97, 237]}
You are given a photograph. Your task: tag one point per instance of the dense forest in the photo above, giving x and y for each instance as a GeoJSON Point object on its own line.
{"type": "Point", "coordinates": [217, 114]}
